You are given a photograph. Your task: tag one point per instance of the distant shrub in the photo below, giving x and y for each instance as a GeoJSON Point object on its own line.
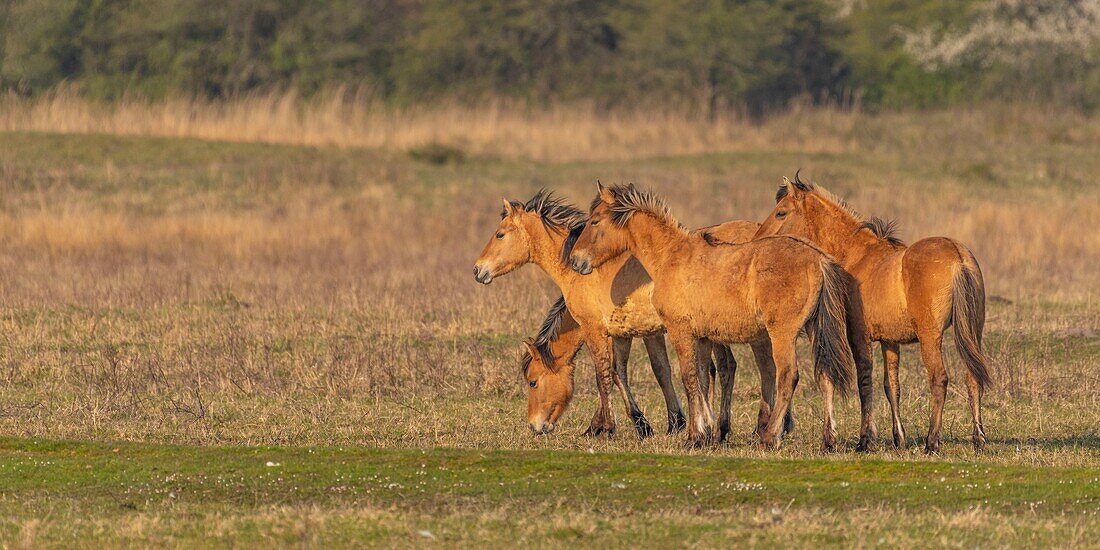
{"type": "Point", "coordinates": [438, 153]}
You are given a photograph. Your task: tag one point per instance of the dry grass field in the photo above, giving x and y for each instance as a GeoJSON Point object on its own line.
{"type": "Point", "coordinates": [189, 290]}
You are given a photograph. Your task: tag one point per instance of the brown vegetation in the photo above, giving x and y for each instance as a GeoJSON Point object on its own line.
{"type": "Point", "coordinates": [193, 291]}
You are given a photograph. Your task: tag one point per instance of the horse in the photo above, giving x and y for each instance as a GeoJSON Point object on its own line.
{"type": "Point", "coordinates": [547, 368]}
{"type": "Point", "coordinates": [613, 304]}
{"type": "Point", "coordinates": [767, 288]}
{"type": "Point", "coordinates": [911, 294]}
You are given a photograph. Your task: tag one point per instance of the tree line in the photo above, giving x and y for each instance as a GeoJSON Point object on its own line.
{"type": "Point", "coordinates": [703, 54]}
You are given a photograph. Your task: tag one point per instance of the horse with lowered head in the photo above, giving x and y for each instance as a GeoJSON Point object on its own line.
{"type": "Point", "coordinates": [910, 293]}
{"type": "Point", "coordinates": [547, 367]}
{"type": "Point", "coordinates": [768, 288]}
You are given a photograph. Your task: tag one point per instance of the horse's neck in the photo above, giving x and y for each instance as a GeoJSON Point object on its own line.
{"type": "Point", "coordinates": [546, 249]}
{"type": "Point", "coordinates": [569, 341]}
{"type": "Point", "coordinates": [652, 240]}
{"type": "Point", "coordinates": [840, 236]}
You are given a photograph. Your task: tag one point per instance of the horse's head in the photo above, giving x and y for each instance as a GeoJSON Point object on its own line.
{"type": "Point", "coordinates": [549, 386]}
{"type": "Point", "coordinates": [508, 248]}
{"type": "Point", "coordinates": [792, 213]}
{"type": "Point", "coordinates": [603, 238]}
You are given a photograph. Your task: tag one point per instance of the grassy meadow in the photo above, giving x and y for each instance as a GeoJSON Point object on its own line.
{"type": "Point", "coordinates": [191, 292]}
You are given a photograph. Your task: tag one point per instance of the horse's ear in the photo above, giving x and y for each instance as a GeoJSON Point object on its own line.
{"type": "Point", "coordinates": [529, 344]}
{"type": "Point", "coordinates": [605, 193]}
{"type": "Point", "coordinates": [793, 188]}
{"type": "Point", "coordinates": [509, 208]}
{"type": "Point", "coordinates": [799, 184]}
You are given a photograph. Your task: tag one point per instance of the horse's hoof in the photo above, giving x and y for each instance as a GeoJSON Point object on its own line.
{"type": "Point", "coordinates": [978, 437]}
{"type": "Point", "coordinates": [866, 444]}
{"type": "Point", "coordinates": [979, 444]}
{"type": "Point", "coordinates": [695, 443]}
{"type": "Point", "coordinates": [931, 449]}
{"type": "Point", "coordinates": [698, 441]}
{"type": "Point", "coordinates": [597, 430]}
{"type": "Point", "coordinates": [769, 443]}
{"type": "Point", "coordinates": [723, 434]}
{"type": "Point", "coordinates": [759, 429]}
{"type": "Point", "coordinates": [642, 426]}
{"type": "Point", "coordinates": [899, 441]}
{"type": "Point", "coordinates": [676, 423]}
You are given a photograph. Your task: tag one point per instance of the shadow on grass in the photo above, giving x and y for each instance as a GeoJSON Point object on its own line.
{"type": "Point", "coordinates": [1085, 441]}
{"type": "Point", "coordinates": [1089, 441]}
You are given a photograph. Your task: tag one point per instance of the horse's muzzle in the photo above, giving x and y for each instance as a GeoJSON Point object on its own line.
{"type": "Point", "coordinates": [482, 276]}
{"type": "Point", "coordinates": [582, 266]}
{"type": "Point", "coordinates": [542, 428]}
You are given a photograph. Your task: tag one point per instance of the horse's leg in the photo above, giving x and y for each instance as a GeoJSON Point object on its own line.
{"type": "Point", "coordinates": [974, 391]}
{"type": "Point", "coordinates": [700, 418]}
{"type": "Point", "coordinates": [762, 353]}
{"type": "Point", "coordinates": [865, 385]}
{"type": "Point", "coordinates": [891, 356]}
{"type": "Point", "coordinates": [621, 355]}
{"type": "Point", "coordinates": [603, 422]}
{"type": "Point", "coordinates": [932, 355]}
{"type": "Point", "coordinates": [707, 370]}
{"type": "Point", "coordinates": [786, 376]}
{"type": "Point", "coordinates": [727, 370]}
{"type": "Point", "coordinates": [662, 370]}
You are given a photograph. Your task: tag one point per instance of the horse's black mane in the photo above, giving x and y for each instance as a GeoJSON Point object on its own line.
{"type": "Point", "coordinates": [886, 230]}
{"type": "Point", "coordinates": [570, 242]}
{"type": "Point", "coordinates": [628, 200]}
{"type": "Point", "coordinates": [548, 332]}
{"type": "Point", "coordinates": [555, 213]}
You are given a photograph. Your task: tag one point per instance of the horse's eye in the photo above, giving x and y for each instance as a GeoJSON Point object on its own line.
{"type": "Point", "coordinates": [781, 214]}
{"type": "Point", "coordinates": [500, 235]}
{"type": "Point", "coordinates": [533, 383]}
{"type": "Point", "coordinates": [595, 222]}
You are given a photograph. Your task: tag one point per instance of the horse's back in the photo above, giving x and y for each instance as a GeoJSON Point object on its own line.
{"type": "Point", "coordinates": [733, 232]}
{"type": "Point", "coordinates": [785, 277]}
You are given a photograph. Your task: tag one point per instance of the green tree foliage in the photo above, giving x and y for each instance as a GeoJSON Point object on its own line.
{"type": "Point", "coordinates": [706, 54]}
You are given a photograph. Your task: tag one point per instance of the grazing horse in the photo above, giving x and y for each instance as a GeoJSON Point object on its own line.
{"type": "Point", "coordinates": [547, 369]}
{"type": "Point", "coordinates": [911, 293]}
{"type": "Point", "coordinates": [614, 304]}
{"type": "Point", "coordinates": [769, 288]}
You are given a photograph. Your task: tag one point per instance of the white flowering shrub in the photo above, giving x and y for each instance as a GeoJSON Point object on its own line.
{"type": "Point", "coordinates": [1017, 33]}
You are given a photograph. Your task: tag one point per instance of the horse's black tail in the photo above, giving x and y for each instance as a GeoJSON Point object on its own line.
{"type": "Point", "coordinates": [828, 330]}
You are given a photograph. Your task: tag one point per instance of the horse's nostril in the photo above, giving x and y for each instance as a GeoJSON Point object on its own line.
{"type": "Point", "coordinates": [580, 266]}
{"type": "Point", "coordinates": [481, 275]}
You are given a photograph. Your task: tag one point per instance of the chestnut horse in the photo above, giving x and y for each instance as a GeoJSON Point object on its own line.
{"type": "Point", "coordinates": [547, 368]}
{"type": "Point", "coordinates": [911, 294]}
{"type": "Point", "coordinates": [768, 288]}
{"type": "Point", "coordinates": [613, 304]}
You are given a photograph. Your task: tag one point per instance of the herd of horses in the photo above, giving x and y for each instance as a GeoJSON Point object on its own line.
{"type": "Point", "coordinates": [627, 269]}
